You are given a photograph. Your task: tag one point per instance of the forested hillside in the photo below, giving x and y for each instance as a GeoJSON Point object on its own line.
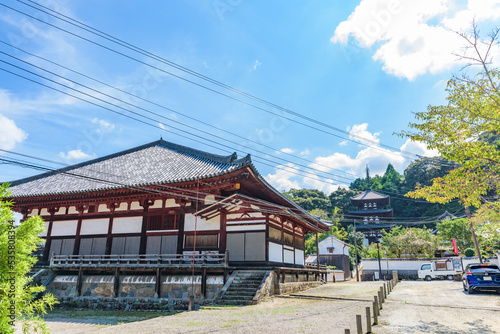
{"type": "Point", "coordinates": [391, 183]}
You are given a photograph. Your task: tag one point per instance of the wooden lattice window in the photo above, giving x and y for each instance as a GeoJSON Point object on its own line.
{"type": "Point", "coordinates": [203, 241]}
{"type": "Point", "coordinates": [288, 238]}
{"type": "Point", "coordinates": [162, 222]}
{"type": "Point", "coordinates": [274, 234]}
{"type": "Point", "coordinates": [299, 242]}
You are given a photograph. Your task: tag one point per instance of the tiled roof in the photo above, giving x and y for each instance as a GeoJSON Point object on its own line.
{"type": "Point", "coordinates": [369, 195]}
{"type": "Point", "coordinates": [159, 162]}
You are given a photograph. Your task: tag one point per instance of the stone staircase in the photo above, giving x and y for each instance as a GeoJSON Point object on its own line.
{"type": "Point", "coordinates": [242, 287]}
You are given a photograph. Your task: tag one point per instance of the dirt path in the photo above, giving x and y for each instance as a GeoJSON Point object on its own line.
{"type": "Point", "coordinates": [439, 307]}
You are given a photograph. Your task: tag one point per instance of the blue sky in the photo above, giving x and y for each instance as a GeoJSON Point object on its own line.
{"type": "Point", "coordinates": [362, 67]}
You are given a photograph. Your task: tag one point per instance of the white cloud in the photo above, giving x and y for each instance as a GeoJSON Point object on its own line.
{"type": "Point", "coordinates": [325, 185]}
{"type": "Point", "coordinates": [343, 143]}
{"type": "Point", "coordinates": [282, 179]}
{"type": "Point", "coordinates": [360, 132]}
{"type": "Point", "coordinates": [10, 134]}
{"type": "Point", "coordinates": [103, 125]}
{"type": "Point", "coordinates": [162, 126]}
{"type": "Point", "coordinates": [256, 64]}
{"type": "Point", "coordinates": [413, 37]}
{"type": "Point", "coordinates": [287, 150]}
{"type": "Point", "coordinates": [305, 152]}
{"type": "Point", "coordinates": [374, 156]}
{"type": "Point", "coordinates": [74, 155]}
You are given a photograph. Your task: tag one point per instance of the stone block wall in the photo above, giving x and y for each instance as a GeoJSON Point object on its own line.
{"type": "Point", "coordinates": [175, 289]}
{"type": "Point", "coordinates": [292, 287]}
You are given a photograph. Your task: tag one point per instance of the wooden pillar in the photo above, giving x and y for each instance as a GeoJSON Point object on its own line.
{"type": "Point", "coordinates": [158, 283]}
{"type": "Point", "coordinates": [223, 227]}
{"type": "Point", "coordinates": [116, 284]}
{"type": "Point", "coordinates": [145, 204]}
{"type": "Point", "coordinates": [79, 282]}
{"type": "Point", "coordinates": [267, 238]}
{"type": "Point", "coordinates": [204, 282]}
{"type": "Point", "coordinates": [48, 241]}
{"type": "Point", "coordinates": [76, 248]}
{"type": "Point", "coordinates": [180, 235]}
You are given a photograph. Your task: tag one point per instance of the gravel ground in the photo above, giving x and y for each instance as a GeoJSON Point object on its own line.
{"type": "Point", "coordinates": [276, 315]}
{"type": "Point", "coordinates": [439, 307]}
{"type": "Point", "coordinates": [413, 307]}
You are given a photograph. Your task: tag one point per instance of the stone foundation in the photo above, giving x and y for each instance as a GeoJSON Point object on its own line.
{"type": "Point", "coordinates": [98, 291]}
{"type": "Point", "coordinates": [284, 288]}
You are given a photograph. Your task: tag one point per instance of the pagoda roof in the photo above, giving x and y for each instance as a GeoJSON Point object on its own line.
{"type": "Point", "coordinates": [373, 212]}
{"type": "Point", "coordinates": [159, 162]}
{"type": "Point", "coordinates": [370, 196]}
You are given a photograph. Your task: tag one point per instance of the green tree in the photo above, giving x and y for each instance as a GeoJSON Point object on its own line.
{"type": "Point", "coordinates": [17, 296]}
{"type": "Point", "coordinates": [412, 242]}
{"type": "Point", "coordinates": [309, 199]}
{"type": "Point", "coordinates": [360, 239]}
{"type": "Point", "coordinates": [341, 198]}
{"type": "Point", "coordinates": [457, 229]}
{"type": "Point", "coordinates": [457, 130]}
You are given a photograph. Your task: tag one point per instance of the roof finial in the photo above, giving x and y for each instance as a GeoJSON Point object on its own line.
{"type": "Point", "coordinates": [368, 178]}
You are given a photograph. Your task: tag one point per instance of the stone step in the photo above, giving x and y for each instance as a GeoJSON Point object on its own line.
{"type": "Point", "coordinates": [237, 302]}
{"type": "Point", "coordinates": [237, 293]}
{"type": "Point", "coordinates": [244, 287]}
{"type": "Point", "coordinates": [236, 297]}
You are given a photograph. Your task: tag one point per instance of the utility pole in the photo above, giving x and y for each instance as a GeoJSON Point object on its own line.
{"type": "Point", "coordinates": [356, 251]}
{"type": "Point", "coordinates": [476, 245]}
{"type": "Point", "coordinates": [379, 266]}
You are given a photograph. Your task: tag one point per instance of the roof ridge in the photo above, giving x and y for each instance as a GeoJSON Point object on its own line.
{"type": "Point", "coordinates": [226, 159]}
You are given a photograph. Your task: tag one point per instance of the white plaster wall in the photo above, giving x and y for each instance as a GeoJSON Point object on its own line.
{"type": "Point", "coordinates": [72, 210]}
{"type": "Point", "coordinates": [103, 208]}
{"type": "Point", "coordinates": [61, 211]}
{"type": "Point", "coordinates": [201, 224]}
{"type": "Point", "coordinates": [135, 206]}
{"type": "Point", "coordinates": [158, 204]}
{"type": "Point", "coordinates": [288, 256]}
{"type": "Point", "coordinates": [127, 225]}
{"type": "Point", "coordinates": [94, 226]}
{"type": "Point", "coordinates": [246, 228]}
{"type": "Point", "coordinates": [64, 227]}
{"type": "Point", "coordinates": [123, 206]}
{"type": "Point", "coordinates": [251, 215]}
{"type": "Point", "coordinates": [170, 203]}
{"type": "Point", "coordinates": [299, 256]}
{"type": "Point", "coordinates": [210, 199]}
{"type": "Point", "coordinates": [44, 212]}
{"type": "Point", "coordinates": [34, 212]}
{"type": "Point", "coordinates": [338, 247]}
{"type": "Point", "coordinates": [260, 221]}
{"type": "Point", "coordinates": [275, 252]}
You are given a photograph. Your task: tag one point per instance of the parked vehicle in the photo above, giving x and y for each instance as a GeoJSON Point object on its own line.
{"type": "Point", "coordinates": [480, 277]}
{"type": "Point", "coordinates": [438, 269]}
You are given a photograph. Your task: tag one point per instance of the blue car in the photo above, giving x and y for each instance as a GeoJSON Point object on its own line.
{"type": "Point", "coordinates": [481, 277]}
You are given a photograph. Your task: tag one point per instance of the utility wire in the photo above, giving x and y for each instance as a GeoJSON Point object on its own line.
{"type": "Point", "coordinates": [158, 105]}
{"type": "Point", "coordinates": [361, 141]}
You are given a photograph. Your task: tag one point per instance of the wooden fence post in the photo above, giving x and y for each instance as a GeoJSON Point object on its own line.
{"type": "Point", "coordinates": [368, 320]}
{"type": "Point", "coordinates": [376, 303]}
{"type": "Point", "coordinates": [359, 325]}
{"type": "Point", "coordinates": [380, 299]}
{"type": "Point", "coordinates": [375, 312]}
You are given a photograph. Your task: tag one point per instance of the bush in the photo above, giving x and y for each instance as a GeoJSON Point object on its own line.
{"type": "Point", "coordinates": [469, 252]}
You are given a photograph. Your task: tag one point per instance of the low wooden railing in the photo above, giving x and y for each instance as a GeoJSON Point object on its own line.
{"type": "Point", "coordinates": [142, 260]}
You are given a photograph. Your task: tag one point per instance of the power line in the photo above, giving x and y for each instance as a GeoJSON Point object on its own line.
{"type": "Point", "coordinates": [361, 141]}
{"type": "Point", "coordinates": [158, 105]}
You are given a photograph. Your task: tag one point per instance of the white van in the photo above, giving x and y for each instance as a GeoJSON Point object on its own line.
{"type": "Point", "coordinates": [437, 269]}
